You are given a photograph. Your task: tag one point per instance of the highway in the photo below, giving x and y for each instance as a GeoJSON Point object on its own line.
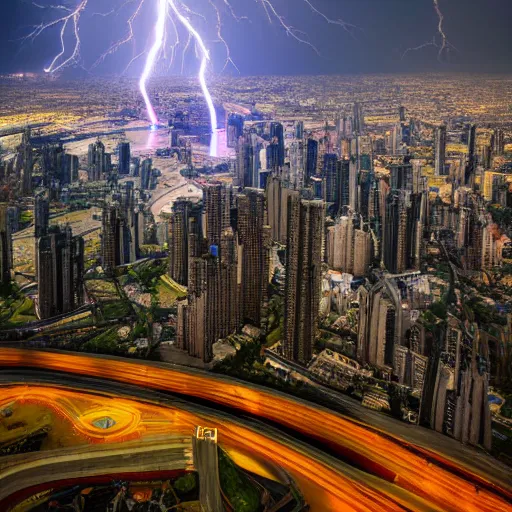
{"type": "Point", "coordinates": [393, 469]}
{"type": "Point", "coordinates": [327, 483]}
{"type": "Point", "coordinates": [20, 472]}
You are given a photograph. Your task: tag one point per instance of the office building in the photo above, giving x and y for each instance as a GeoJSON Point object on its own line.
{"type": "Point", "coordinates": [471, 157]}
{"type": "Point", "coordinates": [217, 203]}
{"type": "Point", "coordinates": [498, 142]}
{"type": "Point", "coordinates": [277, 194]}
{"type": "Point", "coordinates": [303, 277]}
{"type": "Point", "coordinates": [311, 158]}
{"type": "Point", "coordinates": [402, 176]}
{"type": "Point", "coordinates": [98, 161]}
{"type": "Point", "coordinates": [124, 158]}
{"type": "Point", "coordinates": [185, 221]}
{"type": "Point", "coordinates": [24, 164]}
{"type": "Point", "coordinates": [234, 129]}
{"type": "Point", "coordinates": [146, 172]}
{"type": "Point", "coordinates": [6, 261]}
{"type": "Point", "coordinates": [61, 270]}
{"type": "Point", "coordinates": [440, 151]}
{"type": "Point", "coordinates": [255, 241]}
{"type": "Point", "coordinates": [212, 308]}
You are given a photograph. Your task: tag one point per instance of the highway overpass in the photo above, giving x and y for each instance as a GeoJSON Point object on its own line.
{"type": "Point", "coordinates": [379, 457]}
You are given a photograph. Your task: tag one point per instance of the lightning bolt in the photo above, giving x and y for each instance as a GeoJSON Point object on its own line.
{"type": "Point", "coordinates": [444, 47]}
{"type": "Point", "coordinates": [178, 15]}
{"type": "Point", "coordinates": [151, 58]}
{"type": "Point", "coordinates": [420, 47]}
{"type": "Point", "coordinates": [73, 18]}
{"type": "Point", "coordinates": [202, 79]}
{"type": "Point", "coordinates": [129, 36]}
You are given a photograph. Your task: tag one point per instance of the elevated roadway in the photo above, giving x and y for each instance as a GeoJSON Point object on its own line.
{"type": "Point", "coordinates": [438, 479]}
{"type": "Point", "coordinates": [23, 471]}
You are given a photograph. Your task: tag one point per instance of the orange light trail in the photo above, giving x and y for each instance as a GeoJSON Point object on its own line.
{"type": "Point", "coordinates": [380, 455]}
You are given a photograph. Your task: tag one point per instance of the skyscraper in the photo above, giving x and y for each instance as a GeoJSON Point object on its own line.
{"type": "Point", "coordinates": [217, 199]}
{"type": "Point", "coordinates": [61, 269]}
{"type": "Point", "coordinates": [303, 277]}
{"type": "Point", "coordinates": [185, 220]}
{"type": "Point", "coordinates": [234, 129]}
{"type": "Point", "coordinates": [440, 150]}
{"type": "Point", "coordinates": [402, 176]}
{"type": "Point", "coordinates": [6, 263]}
{"type": "Point", "coordinates": [395, 233]}
{"type": "Point", "coordinates": [70, 168]}
{"type": "Point", "coordinates": [277, 137]}
{"type": "Point", "coordinates": [41, 214]}
{"type": "Point", "coordinates": [146, 173]}
{"type": "Point", "coordinates": [471, 156]}
{"type": "Point", "coordinates": [498, 142]}
{"type": "Point", "coordinates": [332, 189]}
{"type": "Point", "coordinates": [122, 229]}
{"type": "Point", "coordinates": [311, 158]}
{"type": "Point", "coordinates": [98, 161]}
{"type": "Point", "coordinates": [340, 245]}
{"type": "Point", "coordinates": [358, 119]}
{"type": "Point", "coordinates": [124, 158]}
{"type": "Point", "coordinates": [254, 237]}
{"type": "Point", "coordinates": [24, 164]}
{"type": "Point", "coordinates": [211, 310]}
{"type": "Point", "coordinates": [277, 206]}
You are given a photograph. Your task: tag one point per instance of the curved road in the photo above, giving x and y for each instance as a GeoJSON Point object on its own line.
{"type": "Point", "coordinates": [439, 482]}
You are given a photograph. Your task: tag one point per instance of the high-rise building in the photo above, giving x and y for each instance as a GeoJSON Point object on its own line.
{"type": "Point", "coordinates": [277, 138]}
{"type": "Point", "coordinates": [455, 401]}
{"type": "Point", "coordinates": [440, 150]}
{"type": "Point", "coordinates": [98, 161]}
{"type": "Point", "coordinates": [185, 221]}
{"type": "Point", "coordinates": [358, 119]}
{"type": "Point", "coordinates": [248, 162]}
{"type": "Point", "coordinates": [362, 252]}
{"type": "Point", "coordinates": [277, 193]}
{"type": "Point", "coordinates": [298, 130]}
{"type": "Point", "coordinates": [41, 214]}
{"type": "Point", "coordinates": [61, 269]}
{"type": "Point", "coordinates": [353, 185]}
{"type": "Point", "coordinates": [498, 142]}
{"type": "Point", "coordinates": [311, 158]}
{"type": "Point", "coordinates": [297, 155]}
{"type": "Point", "coordinates": [344, 182]}
{"type": "Point", "coordinates": [402, 176]}
{"type": "Point", "coordinates": [255, 239]}
{"type": "Point", "coordinates": [24, 164]}
{"type": "Point", "coordinates": [471, 156]}
{"type": "Point", "coordinates": [331, 176]}
{"type": "Point", "coordinates": [6, 262]}
{"type": "Point", "coordinates": [348, 249]}
{"type": "Point", "coordinates": [403, 231]}
{"type": "Point", "coordinates": [123, 228]}
{"type": "Point", "coordinates": [234, 129]}
{"type": "Point", "coordinates": [217, 202]}
{"type": "Point", "coordinates": [146, 172]}
{"type": "Point", "coordinates": [340, 245]}
{"type": "Point", "coordinates": [124, 158]}
{"type": "Point", "coordinates": [395, 233]}
{"type": "Point", "coordinates": [303, 277]}
{"type": "Point", "coordinates": [70, 169]}
{"type": "Point", "coordinates": [401, 112]}
{"type": "Point", "coordinates": [212, 308]}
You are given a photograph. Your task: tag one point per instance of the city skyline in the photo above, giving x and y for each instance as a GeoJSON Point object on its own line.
{"type": "Point", "coordinates": [255, 293]}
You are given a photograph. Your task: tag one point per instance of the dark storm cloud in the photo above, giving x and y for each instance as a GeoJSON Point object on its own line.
{"type": "Point", "coordinates": [478, 28]}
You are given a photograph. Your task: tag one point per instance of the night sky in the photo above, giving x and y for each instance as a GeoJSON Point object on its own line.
{"type": "Point", "coordinates": [479, 29]}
